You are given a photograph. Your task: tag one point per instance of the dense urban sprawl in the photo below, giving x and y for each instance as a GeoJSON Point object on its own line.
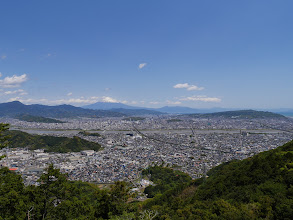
{"type": "Point", "coordinates": [192, 145]}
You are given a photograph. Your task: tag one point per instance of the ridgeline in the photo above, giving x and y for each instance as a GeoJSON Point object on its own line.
{"type": "Point", "coordinates": [241, 114]}
{"type": "Point", "coordinates": [12, 109]}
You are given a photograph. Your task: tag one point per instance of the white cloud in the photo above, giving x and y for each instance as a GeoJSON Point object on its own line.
{"type": "Point", "coordinates": [78, 101]}
{"type": "Point", "coordinates": [13, 81]}
{"type": "Point", "coordinates": [109, 99]}
{"type": "Point", "coordinates": [69, 94]}
{"type": "Point", "coordinates": [3, 57]}
{"type": "Point", "coordinates": [173, 103]}
{"type": "Point", "coordinates": [201, 99]}
{"type": "Point", "coordinates": [19, 91]}
{"type": "Point", "coordinates": [142, 65]}
{"type": "Point", "coordinates": [193, 87]}
{"type": "Point", "coordinates": [188, 87]}
{"type": "Point", "coordinates": [181, 86]}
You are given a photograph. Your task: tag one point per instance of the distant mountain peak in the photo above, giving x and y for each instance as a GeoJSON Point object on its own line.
{"type": "Point", "coordinates": [15, 102]}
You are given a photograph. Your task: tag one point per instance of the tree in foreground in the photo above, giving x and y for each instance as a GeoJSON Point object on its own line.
{"type": "Point", "coordinates": [3, 138]}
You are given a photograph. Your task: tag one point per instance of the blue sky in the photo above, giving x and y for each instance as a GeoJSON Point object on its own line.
{"type": "Point", "coordinates": [153, 53]}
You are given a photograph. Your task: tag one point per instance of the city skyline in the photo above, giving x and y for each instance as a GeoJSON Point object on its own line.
{"type": "Point", "coordinates": [149, 53]}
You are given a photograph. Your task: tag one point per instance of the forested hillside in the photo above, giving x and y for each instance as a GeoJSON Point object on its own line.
{"type": "Point", "coordinates": [50, 143]}
{"type": "Point", "coordinates": [260, 187]}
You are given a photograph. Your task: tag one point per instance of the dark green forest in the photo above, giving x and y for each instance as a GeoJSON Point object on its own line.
{"type": "Point", "coordinates": [50, 143]}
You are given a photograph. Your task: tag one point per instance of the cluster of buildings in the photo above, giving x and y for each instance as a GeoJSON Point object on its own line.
{"type": "Point", "coordinates": [191, 145]}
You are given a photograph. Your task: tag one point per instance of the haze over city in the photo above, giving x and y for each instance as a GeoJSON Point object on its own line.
{"type": "Point", "coordinates": [199, 54]}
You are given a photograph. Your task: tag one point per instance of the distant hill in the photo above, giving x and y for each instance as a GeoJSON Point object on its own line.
{"type": "Point", "coordinates": [187, 110]}
{"type": "Point", "coordinates": [109, 105]}
{"type": "Point", "coordinates": [136, 112]}
{"type": "Point", "coordinates": [285, 112]}
{"type": "Point", "coordinates": [124, 109]}
{"type": "Point", "coordinates": [240, 114]}
{"type": "Point", "coordinates": [178, 110]}
{"type": "Point", "coordinates": [165, 109]}
{"type": "Point", "coordinates": [50, 143]}
{"type": "Point", "coordinates": [15, 108]}
{"type": "Point", "coordinates": [40, 119]}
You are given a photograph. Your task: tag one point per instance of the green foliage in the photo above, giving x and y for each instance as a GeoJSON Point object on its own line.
{"type": "Point", "coordinates": [58, 198]}
{"type": "Point", "coordinates": [260, 187]}
{"type": "Point", "coordinates": [164, 179]}
{"type": "Point", "coordinates": [12, 199]}
{"type": "Point", "coordinates": [32, 118]}
{"type": "Point", "coordinates": [50, 143]}
{"type": "Point", "coordinates": [3, 136]}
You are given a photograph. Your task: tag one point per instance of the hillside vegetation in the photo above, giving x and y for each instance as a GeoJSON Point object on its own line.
{"type": "Point", "coordinates": [50, 143]}
{"type": "Point", "coordinates": [260, 187]}
{"type": "Point", "coordinates": [241, 114]}
{"type": "Point", "coordinates": [40, 119]}
{"type": "Point", "coordinates": [164, 179]}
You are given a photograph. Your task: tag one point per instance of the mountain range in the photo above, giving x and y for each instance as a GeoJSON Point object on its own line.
{"type": "Point", "coordinates": [102, 109]}
{"type": "Point", "coordinates": [165, 109]}
{"type": "Point", "coordinates": [176, 109]}
{"type": "Point", "coordinates": [16, 108]}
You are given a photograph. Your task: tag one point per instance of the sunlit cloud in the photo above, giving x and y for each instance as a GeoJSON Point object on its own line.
{"type": "Point", "coordinates": [109, 99]}
{"type": "Point", "coordinates": [201, 99]}
{"type": "Point", "coordinates": [19, 91]}
{"type": "Point", "coordinates": [70, 101]}
{"type": "Point", "coordinates": [142, 65]}
{"type": "Point", "coordinates": [188, 87]}
{"type": "Point", "coordinates": [13, 81]}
